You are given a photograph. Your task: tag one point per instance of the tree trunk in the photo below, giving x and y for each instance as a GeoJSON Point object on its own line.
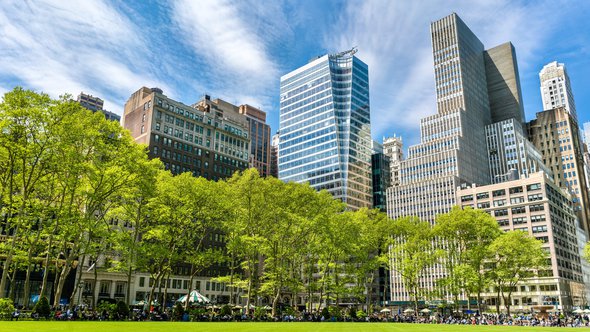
{"type": "Point", "coordinates": [275, 301]}
{"type": "Point", "coordinates": [128, 292]}
{"type": "Point", "coordinates": [95, 273]}
{"type": "Point", "coordinates": [479, 302]}
{"type": "Point", "coordinates": [498, 302]}
{"type": "Point", "coordinates": [61, 282]}
{"type": "Point", "coordinates": [78, 279]}
{"type": "Point", "coordinates": [7, 262]}
{"type": "Point", "coordinates": [507, 303]}
{"type": "Point", "coordinates": [186, 302]}
{"type": "Point", "coordinates": [12, 291]}
{"type": "Point", "coordinates": [153, 290]}
{"type": "Point", "coordinates": [29, 268]}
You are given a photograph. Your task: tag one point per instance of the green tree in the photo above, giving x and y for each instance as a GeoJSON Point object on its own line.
{"type": "Point", "coordinates": [132, 212]}
{"type": "Point", "coordinates": [465, 236]}
{"type": "Point", "coordinates": [26, 144]}
{"type": "Point", "coordinates": [516, 257]}
{"type": "Point", "coordinates": [243, 229]}
{"type": "Point", "coordinates": [413, 253]}
{"type": "Point", "coordinates": [370, 248]}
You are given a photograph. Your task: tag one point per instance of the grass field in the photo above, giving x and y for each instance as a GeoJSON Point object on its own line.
{"type": "Point", "coordinates": [37, 326]}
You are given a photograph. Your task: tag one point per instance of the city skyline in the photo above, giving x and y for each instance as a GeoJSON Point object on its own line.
{"type": "Point", "coordinates": [109, 49]}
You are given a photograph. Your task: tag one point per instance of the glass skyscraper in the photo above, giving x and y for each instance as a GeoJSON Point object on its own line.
{"type": "Point", "coordinates": [325, 134]}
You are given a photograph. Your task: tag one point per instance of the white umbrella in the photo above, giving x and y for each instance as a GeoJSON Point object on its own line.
{"type": "Point", "coordinates": [385, 310]}
{"type": "Point", "coordinates": [407, 311]}
{"type": "Point", "coordinates": [425, 311]}
{"type": "Point", "coordinates": [194, 297]}
{"type": "Point", "coordinates": [578, 311]}
{"type": "Point", "coordinates": [587, 311]}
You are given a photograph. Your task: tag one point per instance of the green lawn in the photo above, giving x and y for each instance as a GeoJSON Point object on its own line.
{"type": "Point", "coordinates": [40, 326]}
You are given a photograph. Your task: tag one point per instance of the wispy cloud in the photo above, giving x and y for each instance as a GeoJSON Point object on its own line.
{"type": "Point", "coordinates": [232, 41]}
{"type": "Point", "coordinates": [394, 39]}
{"type": "Point", "coordinates": [60, 47]}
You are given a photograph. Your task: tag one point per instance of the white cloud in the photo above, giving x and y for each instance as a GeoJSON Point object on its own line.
{"type": "Point", "coordinates": [232, 41]}
{"type": "Point", "coordinates": [393, 38]}
{"type": "Point", "coordinates": [60, 47]}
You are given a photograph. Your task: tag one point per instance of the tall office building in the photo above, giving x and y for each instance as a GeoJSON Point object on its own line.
{"type": "Point", "coordinates": [453, 143]}
{"type": "Point", "coordinates": [587, 133]}
{"type": "Point", "coordinates": [535, 205]}
{"type": "Point", "coordinates": [474, 87]}
{"type": "Point", "coordinates": [95, 104]}
{"type": "Point", "coordinates": [393, 148]}
{"type": "Point", "coordinates": [556, 134]}
{"type": "Point", "coordinates": [259, 138]}
{"type": "Point", "coordinates": [325, 133]}
{"type": "Point", "coordinates": [381, 177]}
{"type": "Point", "coordinates": [556, 89]}
{"type": "Point", "coordinates": [209, 139]}
{"type": "Point", "coordinates": [274, 156]}
{"type": "Point", "coordinates": [511, 154]}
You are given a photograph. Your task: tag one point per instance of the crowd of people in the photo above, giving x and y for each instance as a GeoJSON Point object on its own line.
{"type": "Point", "coordinates": [155, 314]}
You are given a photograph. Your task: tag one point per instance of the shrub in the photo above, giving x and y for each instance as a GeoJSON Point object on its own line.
{"type": "Point", "coordinates": [122, 309]}
{"type": "Point", "coordinates": [225, 310]}
{"type": "Point", "coordinates": [361, 315]}
{"type": "Point", "coordinates": [326, 313]}
{"type": "Point", "coordinates": [178, 312]}
{"type": "Point", "coordinates": [6, 308]}
{"type": "Point", "coordinates": [259, 313]}
{"type": "Point", "coordinates": [42, 307]}
{"type": "Point", "coordinates": [335, 312]}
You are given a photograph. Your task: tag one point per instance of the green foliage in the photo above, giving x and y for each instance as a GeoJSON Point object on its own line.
{"type": "Point", "coordinates": [225, 310]}
{"type": "Point", "coordinates": [325, 313]}
{"type": "Point", "coordinates": [122, 309]}
{"type": "Point", "coordinates": [6, 308]}
{"type": "Point", "coordinates": [335, 312]}
{"type": "Point", "coordinates": [516, 256]}
{"type": "Point", "coordinates": [361, 315]}
{"type": "Point", "coordinates": [259, 313]}
{"type": "Point", "coordinates": [109, 308]}
{"type": "Point", "coordinates": [178, 312]}
{"type": "Point", "coordinates": [42, 307]}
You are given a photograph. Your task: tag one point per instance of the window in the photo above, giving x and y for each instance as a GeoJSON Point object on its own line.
{"type": "Point", "coordinates": [483, 195]}
{"type": "Point", "coordinates": [466, 198]}
{"type": "Point", "coordinates": [141, 281]}
{"type": "Point", "coordinates": [519, 220]}
{"type": "Point", "coordinates": [535, 197]}
{"type": "Point", "coordinates": [105, 287]}
{"type": "Point", "coordinates": [516, 190]}
{"type": "Point", "coordinates": [535, 186]}
{"type": "Point", "coordinates": [537, 207]}
{"type": "Point", "coordinates": [539, 229]}
{"type": "Point", "coordinates": [503, 212]}
{"type": "Point", "coordinates": [538, 218]}
{"type": "Point", "coordinates": [518, 210]}
{"type": "Point", "coordinates": [120, 288]}
{"type": "Point", "coordinates": [498, 193]}
{"type": "Point", "coordinates": [503, 222]}
{"type": "Point", "coordinates": [483, 205]}
{"type": "Point", "coordinates": [516, 200]}
{"type": "Point", "coordinates": [499, 202]}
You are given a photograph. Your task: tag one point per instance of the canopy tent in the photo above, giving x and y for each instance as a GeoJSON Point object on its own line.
{"type": "Point", "coordinates": [194, 297]}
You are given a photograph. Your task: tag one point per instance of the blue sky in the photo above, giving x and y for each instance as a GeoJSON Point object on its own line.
{"type": "Point", "coordinates": [237, 50]}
